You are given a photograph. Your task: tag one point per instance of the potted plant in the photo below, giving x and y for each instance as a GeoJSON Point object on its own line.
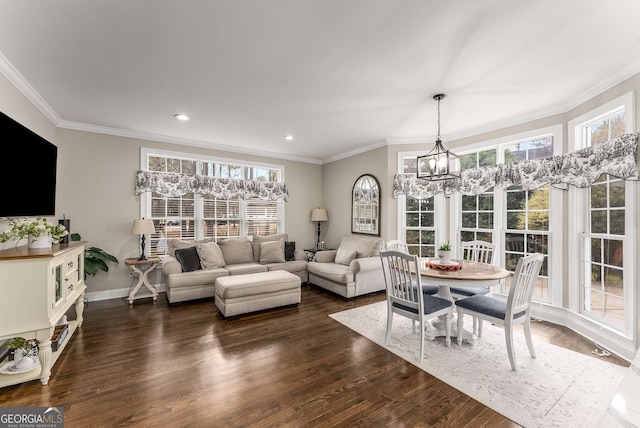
{"type": "Point", "coordinates": [40, 232]}
{"type": "Point", "coordinates": [444, 252]}
{"type": "Point", "coordinates": [95, 259]}
{"type": "Point", "coordinates": [21, 347]}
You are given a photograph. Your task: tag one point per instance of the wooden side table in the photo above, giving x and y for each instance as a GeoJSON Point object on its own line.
{"type": "Point", "coordinates": [142, 269]}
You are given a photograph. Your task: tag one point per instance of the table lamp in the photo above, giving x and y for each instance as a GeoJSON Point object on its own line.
{"type": "Point", "coordinates": [319, 215]}
{"type": "Point", "coordinates": [142, 227]}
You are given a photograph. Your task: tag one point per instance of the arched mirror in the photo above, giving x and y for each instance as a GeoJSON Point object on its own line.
{"type": "Point", "coordinates": [365, 206]}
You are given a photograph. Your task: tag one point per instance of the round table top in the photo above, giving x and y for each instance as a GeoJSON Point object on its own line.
{"type": "Point", "coordinates": [474, 271]}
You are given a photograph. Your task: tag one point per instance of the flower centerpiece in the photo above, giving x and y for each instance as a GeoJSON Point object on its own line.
{"type": "Point", "coordinates": [40, 232]}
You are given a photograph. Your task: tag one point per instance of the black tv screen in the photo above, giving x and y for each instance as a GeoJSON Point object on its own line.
{"type": "Point", "coordinates": [29, 177]}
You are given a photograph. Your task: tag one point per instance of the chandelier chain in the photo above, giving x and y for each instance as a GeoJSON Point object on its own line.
{"type": "Point", "coordinates": [438, 137]}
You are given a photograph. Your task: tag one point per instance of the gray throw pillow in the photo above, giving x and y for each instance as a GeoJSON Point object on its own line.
{"type": "Point", "coordinates": [210, 255]}
{"type": "Point", "coordinates": [289, 250]}
{"type": "Point", "coordinates": [236, 251]}
{"type": "Point", "coordinates": [188, 258]}
{"type": "Point", "coordinates": [345, 257]}
{"type": "Point", "coordinates": [272, 251]}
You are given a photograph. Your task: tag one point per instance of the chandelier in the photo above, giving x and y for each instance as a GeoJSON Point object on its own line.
{"type": "Point", "coordinates": [439, 163]}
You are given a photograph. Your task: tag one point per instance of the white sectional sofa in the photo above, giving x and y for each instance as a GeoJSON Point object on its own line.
{"type": "Point", "coordinates": [352, 270]}
{"type": "Point", "coordinates": [190, 277]}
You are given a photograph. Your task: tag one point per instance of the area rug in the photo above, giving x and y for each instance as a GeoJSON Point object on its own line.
{"type": "Point", "coordinates": [559, 388]}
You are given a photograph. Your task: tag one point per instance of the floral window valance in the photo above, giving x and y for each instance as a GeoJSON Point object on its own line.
{"type": "Point", "coordinates": [173, 185]}
{"type": "Point", "coordinates": [580, 169]}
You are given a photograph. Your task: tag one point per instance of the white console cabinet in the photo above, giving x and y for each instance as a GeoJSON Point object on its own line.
{"type": "Point", "coordinates": [38, 287]}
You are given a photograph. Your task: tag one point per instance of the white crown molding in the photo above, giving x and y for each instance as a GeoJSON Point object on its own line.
{"type": "Point", "coordinates": [181, 141]}
{"type": "Point", "coordinates": [16, 79]}
{"type": "Point", "coordinates": [354, 152]}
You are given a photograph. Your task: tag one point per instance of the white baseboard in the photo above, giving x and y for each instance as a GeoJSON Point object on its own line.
{"type": "Point", "coordinates": [119, 293]}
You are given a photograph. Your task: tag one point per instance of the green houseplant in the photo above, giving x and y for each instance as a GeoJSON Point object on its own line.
{"type": "Point", "coordinates": [95, 259]}
{"type": "Point", "coordinates": [444, 252]}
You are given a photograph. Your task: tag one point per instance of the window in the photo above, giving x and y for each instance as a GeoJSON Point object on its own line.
{"type": "Point", "coordinates": [603, 217]}
{"type": "Point", "coordinates": [518, 221]}
{"type": "Point", "coordinates": [477, 211]}
{"type": "Point", "coordinates": [417, 218]}
{"type": "Point", "coordinates": [194, 216]}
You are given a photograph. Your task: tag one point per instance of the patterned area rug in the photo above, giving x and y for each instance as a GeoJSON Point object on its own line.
{"type": "Point", "coordinates": [559, 388]}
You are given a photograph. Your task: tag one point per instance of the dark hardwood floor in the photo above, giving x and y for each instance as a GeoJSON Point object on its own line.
{"type": "Point", "coordinates": [156, 365]}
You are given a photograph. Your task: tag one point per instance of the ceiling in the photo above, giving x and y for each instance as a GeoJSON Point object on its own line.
{"type": "Point", "coordinates": [339, 76]}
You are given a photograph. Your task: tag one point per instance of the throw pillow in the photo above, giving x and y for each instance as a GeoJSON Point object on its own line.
{"type": "Point", "coordinates": [236, 251]}
{"type": "Point", "coordinates": [345, 257]}
{"type": "Point", "coordinates": [272, 251]}
{"type": "Point", "coordinates": [289, 250]}
{"type": "Point", "coordinates": [257, 240]}
{"type": "Point", "coordinates": [210, 255]}
{"type": "Point", "coordinates": [188, 258]}
{"type": "Point", "coordinates": [176, 243]}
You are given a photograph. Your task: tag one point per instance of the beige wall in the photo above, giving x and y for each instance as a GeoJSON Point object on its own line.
{"type": "Point", "coordinates": [337, 184]}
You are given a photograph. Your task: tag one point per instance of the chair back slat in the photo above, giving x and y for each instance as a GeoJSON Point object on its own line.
{"type": "Point", "coordinates": [402, 277]}
{"type": "Point", "coordinates": [397, 245]}
{"type": "Point", "coordinates": [478, 251]}
{"type": "Point", "coordinates": [523, 284]}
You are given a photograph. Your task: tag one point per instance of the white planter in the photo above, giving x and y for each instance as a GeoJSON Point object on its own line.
{"type": "Point", "coordinates": [445, 256]}
{"type": "Point", "coordinates": [40, 242]}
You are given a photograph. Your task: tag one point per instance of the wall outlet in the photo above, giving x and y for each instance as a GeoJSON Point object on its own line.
{"type": "Point", "coordinates": [132, 274]}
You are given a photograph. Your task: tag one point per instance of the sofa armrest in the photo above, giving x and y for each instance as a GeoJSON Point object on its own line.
{"type": "Point", "coordinates": [171, 265]}
{"type": "Point", "coordinates": [366, 264]}
{"type": "Point", "coordinates": [325, 256]}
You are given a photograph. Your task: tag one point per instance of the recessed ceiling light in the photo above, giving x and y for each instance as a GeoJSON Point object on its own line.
{"type": "Point", "coordinates": [181, 116]}
{"type": "Point", "coordinates": [289, 137]}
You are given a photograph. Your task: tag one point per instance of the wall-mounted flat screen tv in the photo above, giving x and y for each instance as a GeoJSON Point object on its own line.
{"type": "Point", "coordinates": [27, 173]}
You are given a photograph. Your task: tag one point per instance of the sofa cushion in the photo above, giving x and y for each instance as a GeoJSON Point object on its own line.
{"type": "Point", "coordinates": [292, 266]}
{"type": "Point", "coordinates": [272, 251]}
{"type": "Point", "coordinates": [289, 251]}
{"type": "Point", "coordinates": [345, 257]}
{"type": "Point", "coordinates": [236, 251]}
{"type": "Point", "coordinates": [244, 268]}
{"type": "Point", "coordinates": [188, 258]}
{"type": "Point", "coordinates": [175, 244]}
{"type": "Point", "coordinates": [257, 240]}
{"type": "Point", "coordinates": [197, 278]}
{"type": "Point", "coordinates": [331, 271]}
{"type": "Point", "coordinates": [210, 255]}
{"type": "Point", "coordinates": [366, 247]}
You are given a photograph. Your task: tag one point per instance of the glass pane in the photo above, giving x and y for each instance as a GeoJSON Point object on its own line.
{"type": "Point", "coordinates": [515, 220]}
{"type": "Point", "coordinates": [612, 252]}
{"type": "Point", "coordinates": [539, 220]}
{"type": "Point", "coordinates": [485, 202]}
{"type": "Point", "coordinates": [173, 165]}
{"type": "Point", "coordinates": [426, 220]}
{"type": "Point", "coordinates": [596, 250]}
{"type": "Point", "coordinates": [613, 281]}
{"type": "Point", "coordinates": [515, 242]}
{"type": "Point", "coordinates": [599, 132]}
{"type": "Point", "coordinates": [538, 244]}
{"type": "Point", "coordinates": [468, 161]}
{"type": "Point", "coordinates": [598, 221]}
{"type": "Point", "coordinates": [157, 163]}
{"type": "Point", "coordinates": [427, 204]}
{"type": "Point", "coordinates": [544, 269]}
{"type": "Point", "coordinates": [596, 276]}
{"type": "Point", "coordinates": [616, 194]}
{"type": "Point", "coordinates": [539, 199]}
{"type": "Point", "coordinates": [485, 220]}
{"type": "Point", "coordinates": [511, 261]}
{"type": "Point", "coordinates": [469, 220]}
{"type": "Point", "coordinates": [617, 222]}
{"type": "Point", "coordinates": [485, 236]}
{"type": "Point", "coordinates": [412, 237]}
{"type": "Point", "coordinates": [487, 157]}
{"type": "Point", "coordinates": [412, 220]}
{"type": "Point", "coordinates": [468, 203]}
{"type": "Point", "coordinates": [428, 251]}
{"type": "Point", "coordinates": [410, 165]}
{"type": "Point", "coordinates": [614, 310]}
{"type": "Point", "coordinates": [598, 196]}
{"type": "Point", "coordinates": [516, 200]}
{"type": "Point", "coordinates": [428, 237]}
{"type": "Point", "coordinates": [412, 204]}
{"type": "Point", "coordinates": [594, 304]}
{"type": "Point", "coordinates": [188, 167]}
{"type": "Point", "coordinates": [467, 236]}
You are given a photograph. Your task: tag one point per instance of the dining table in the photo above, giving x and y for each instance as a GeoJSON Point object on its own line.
{"type": "Point", "coordinates": [458, 273]}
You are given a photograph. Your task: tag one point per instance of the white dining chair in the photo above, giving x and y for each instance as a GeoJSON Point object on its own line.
{"type": "Point", "coordinates": [405, 297]}
{"type": "Point", "coordinates": [475, 251]}
{"type": "Point", "coordinates": [516, 310]}
{"type": "Point", "coordinates": [397, 245]}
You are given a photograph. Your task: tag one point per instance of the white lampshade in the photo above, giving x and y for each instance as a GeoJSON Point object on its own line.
{"type": "Point", "coordinates": [142, 227]}
{"type": "Point", "coordinates": [319, 214]}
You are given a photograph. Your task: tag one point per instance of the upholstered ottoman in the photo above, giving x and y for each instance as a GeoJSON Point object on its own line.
{"type": "Point", "coordinates": [241, 294]}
